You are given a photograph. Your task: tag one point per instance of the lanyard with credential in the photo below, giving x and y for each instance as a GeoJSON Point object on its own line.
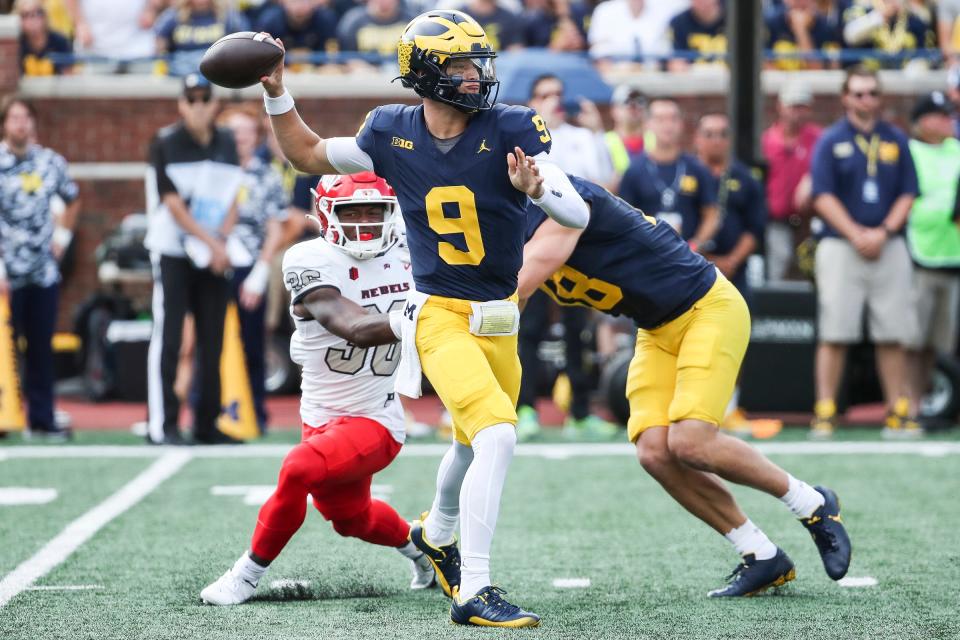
{"type": "Point", "coordinates": [871, 150]}
{"type": "Point", "coordinates": [871, 191]}
{"type": "Point", "coordinates": [668, 195]}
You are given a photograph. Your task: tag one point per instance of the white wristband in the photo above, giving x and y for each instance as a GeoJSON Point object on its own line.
{"type": "Point", "coordinates": [256, 281]}
{"type": "Point", "coordinates": [279, 105]}
{"type": "Point", "coordinates": [396, 323]}
{"type": "Point", "coordinates": [62, 236]}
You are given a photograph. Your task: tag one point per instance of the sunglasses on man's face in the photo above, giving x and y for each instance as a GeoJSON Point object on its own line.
{"type": "Point", "coordinates": [859, 95]}
{"type": "Point", "coordinates": [549, 94]}
{"type": "Point", "coordinates": [720, 134]}
{"type": "Point", "coordinates": [202, 97]}
{"type": "Point", "coordinates": [33, 13]}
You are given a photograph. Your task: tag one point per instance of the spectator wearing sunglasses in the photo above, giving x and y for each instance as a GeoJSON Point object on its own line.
{"type": "Point", "coordinates": [192, 187]}
{"type": "Point", "coordinates": [740, 201]}
{"type": "Point", "coordinates": [864, 184]}
{"type": "Point", "coordinates": [38, 42]}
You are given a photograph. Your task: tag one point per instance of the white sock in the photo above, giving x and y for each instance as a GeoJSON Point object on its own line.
{"type": "Point", "coordinates": [441, 522]}
{"type": "Point", "coordinates": [410, 551]}
{"type": "Point", "coordinates": [801, 498]}
{"type": "Point", "coordinates": [748, 538]}
{"type": "Point", "coordinates": [480, 503]}
{"type": "Point", "coordinates": [247, 568]}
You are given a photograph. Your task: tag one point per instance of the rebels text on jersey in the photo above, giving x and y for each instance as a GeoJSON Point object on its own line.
{"type": "Point", "coordinates": [464, 218]}
{"type": "Point", "coordinates": [626, 263]}
{"type": "Point", "coordinates": [339, 378]}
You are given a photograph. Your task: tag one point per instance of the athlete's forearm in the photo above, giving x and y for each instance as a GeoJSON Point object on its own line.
{"type": "Point", "coordinates": [348, 320]}
{"type": "Point", "coordinates": [547, 251]}
{"type": "Point", "coordinates": [304, 149]}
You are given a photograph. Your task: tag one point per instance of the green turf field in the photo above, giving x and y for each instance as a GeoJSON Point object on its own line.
{"type": "Point", "coordinates": [565, 515]}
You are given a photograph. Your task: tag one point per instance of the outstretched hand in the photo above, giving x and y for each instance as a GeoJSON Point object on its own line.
{"type": "Point", "coordinates": [524, 173]}
{"type": "Point", "coordinates": [273, 83]}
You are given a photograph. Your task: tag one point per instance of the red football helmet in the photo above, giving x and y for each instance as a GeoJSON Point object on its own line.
{"type": "Point", "coordinates": [335, 191]}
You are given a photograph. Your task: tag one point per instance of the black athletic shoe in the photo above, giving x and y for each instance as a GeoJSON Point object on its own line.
{"type": "Point", "coordinates": [489, 609]}
{"type": "Point", "coordinates": [170, 439]}
{"type": "Point", "coordinates": [829, 534]}
{"type": "Point", "coordinates": [754, 576]}
{"type": "Point", "coordinates": [445, 559]}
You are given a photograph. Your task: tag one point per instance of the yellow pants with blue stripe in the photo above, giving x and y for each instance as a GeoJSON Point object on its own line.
{"type": "Point", "coordinates": [687, 368]}
{"type": "Point", "coordinates": [476, 377]}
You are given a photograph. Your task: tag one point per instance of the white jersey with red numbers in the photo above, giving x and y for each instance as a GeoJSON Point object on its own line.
{"type": "Point", "coordinates": [341, 379]}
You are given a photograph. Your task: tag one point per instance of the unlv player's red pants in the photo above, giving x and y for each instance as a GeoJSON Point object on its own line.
{"type": "Point", "coordinates": [334, 463]}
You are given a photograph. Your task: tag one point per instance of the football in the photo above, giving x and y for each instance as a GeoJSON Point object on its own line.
{"type": "Point", "coordinates": [240, 59]}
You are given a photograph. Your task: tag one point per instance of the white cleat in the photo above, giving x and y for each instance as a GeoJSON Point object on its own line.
{"type": "Point", "coordinates": [233, 587]}
{"type": "Point", "coordinates": [423, 575]}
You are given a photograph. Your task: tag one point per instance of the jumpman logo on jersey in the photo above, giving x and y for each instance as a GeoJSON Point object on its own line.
{"type": "Point", "coordinates": [483, 146]}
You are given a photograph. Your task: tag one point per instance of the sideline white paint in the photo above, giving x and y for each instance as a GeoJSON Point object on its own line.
{"type": "Point", "coordinates": [851, 581]}
{"type": "Point", "coordinates": [66, 587]}
{"type": "Point", "coordinates": [253, 494]}
{"type": "Point", "coordinates": [10, 496]}
{"type": "Point", "coordinates": [571, 583]}
{"type": "Point", "coordinates": [549, 451]}
{"type": "Point", "coordinates": [87, 525]}
{"type": "Point", "coordinates": [256, 494]}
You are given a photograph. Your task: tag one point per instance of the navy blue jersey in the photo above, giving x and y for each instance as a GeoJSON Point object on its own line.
{"type": "Point", "coordinates": [841, 166]}
{"type": "Point", "coordinates": [743, 208]}
{"type": "Point", "coordinates": [464, 219]}
{"type": "Point", "coordinates": [626, 263]}
{"type": "Point", "coordinates": [689, 35]}
{"type": "Point", "coordinates": [674, 192]}
{"type": "Point", "coordinates": [781, 39]}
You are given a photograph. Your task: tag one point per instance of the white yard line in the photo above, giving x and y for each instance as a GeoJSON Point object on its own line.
{"type": "Point", "coordinates": [84, 527]}
{"type": "Point", "coordinates": [10, 496]}
{"type": "Point", "coordinates": [559, 451]}
{"type": "Point", "coordinates": [65, 587]}
{"type": "Point", "coordinates": [853, 581]}
{"type": "Point", "coordinates": [571, 583]}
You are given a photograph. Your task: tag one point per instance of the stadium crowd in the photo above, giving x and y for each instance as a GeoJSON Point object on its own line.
{"type": "Point", "coordinates": [169, 36]}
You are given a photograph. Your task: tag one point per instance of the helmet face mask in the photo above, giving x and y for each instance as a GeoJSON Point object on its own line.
{"type": "Point", "coordinates": [431, 44]}
{"type": "Point", "coordinates": [361, 232]}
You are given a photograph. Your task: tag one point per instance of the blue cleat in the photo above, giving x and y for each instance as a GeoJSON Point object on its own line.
{"type": "Point", "coordinates": [489, 609]}
{"type": "Point", "coordinates": [754, 576]}
{"type": "Point", "coordinates": [829, 534]}
{"type": "Point", "coordinates": [445, 559]}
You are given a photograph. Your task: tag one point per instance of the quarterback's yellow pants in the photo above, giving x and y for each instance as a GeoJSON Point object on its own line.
{"type": "Point", "coordinates": [476, 377]}
{"type": "Point", "coordinates": [687, 368]}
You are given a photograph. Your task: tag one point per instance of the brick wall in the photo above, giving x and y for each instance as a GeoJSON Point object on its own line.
{"type": "Point", "coordinates": [9, 70]}
{"type": "Point", "coordinates": [9, 53]}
